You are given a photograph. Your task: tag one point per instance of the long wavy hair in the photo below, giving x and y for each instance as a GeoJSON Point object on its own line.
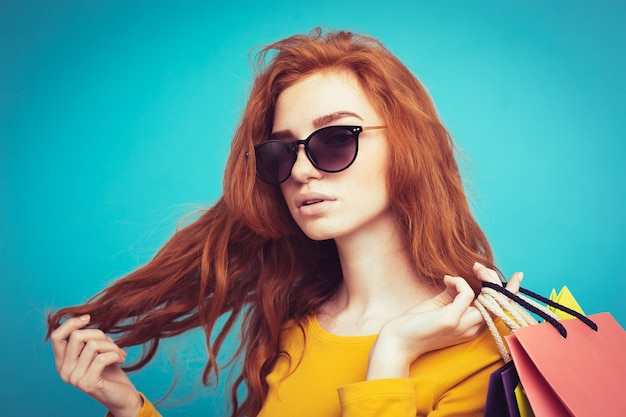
{"type": "Point", "coordinates": [243, 256]}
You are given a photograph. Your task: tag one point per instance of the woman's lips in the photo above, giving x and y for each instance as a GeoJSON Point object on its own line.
{"type": "Point", "coordinates": [308, 203]}
{"type": "Point", "coordinates": [311, 204]}
{"type": "Point", "coordinates": [308, 199]}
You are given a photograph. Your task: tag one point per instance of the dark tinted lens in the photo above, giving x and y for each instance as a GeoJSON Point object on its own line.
{"type": "Point", "coordinates": [333, 149]}
{"type": "Point", "coordinates": [274, 160]}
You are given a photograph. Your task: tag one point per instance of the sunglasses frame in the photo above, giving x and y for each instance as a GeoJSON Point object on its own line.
{"type": "Point", "coordinates": [356, 130]}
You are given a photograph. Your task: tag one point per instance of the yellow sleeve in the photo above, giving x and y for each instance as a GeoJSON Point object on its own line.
{"type": "Point", "coordinates": [443, 383]}
{"type": "Point", "coordinates": [382, 397]}
{"type": "Point", "coordinates": [147, 410]}
{"type": "Point", "coordinates": [459, 377]}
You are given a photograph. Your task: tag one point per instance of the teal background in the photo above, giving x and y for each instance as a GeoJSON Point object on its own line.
{"type": "Point", "coordinates": [116, 116]}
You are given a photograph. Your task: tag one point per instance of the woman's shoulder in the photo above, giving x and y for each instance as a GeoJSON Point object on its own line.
{"type": "Point", "coordinates": [458, 374]}
{"type": "Point", "coordinates": [473, 360]}
{"type": "Point", "coordinates": [474, 354]}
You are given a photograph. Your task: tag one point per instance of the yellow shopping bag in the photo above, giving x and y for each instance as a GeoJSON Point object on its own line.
{"type": "Point", "coordinates": [565, 298]}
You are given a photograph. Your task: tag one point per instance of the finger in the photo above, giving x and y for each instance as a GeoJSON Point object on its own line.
{"type": "Point", "coordinates": [75, 345]}
{"type": "Point", "coordinates": [92, 379]}
{"type": "Point", "coordinates": [460, 317]}
{"type": "Point", "coordinates": [446, 296]}
{"type": "Point", "coordinates": [515, 282]}
{"type": "Point", "coordinates": [92, 349]}
{"type": "Point", "coordinates": [60, 336]}
{"type": "Point", "coordinates": [486, 274]}
{"type": "Point", "coordinates": [462, 294]}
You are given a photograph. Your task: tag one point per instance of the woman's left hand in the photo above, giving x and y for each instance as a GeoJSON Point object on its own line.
{"type": "Point", "coordinates": [445, 320]}
{"type": "Point", "coordinates": [489, 275]}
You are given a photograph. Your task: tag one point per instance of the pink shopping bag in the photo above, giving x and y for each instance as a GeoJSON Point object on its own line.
{"type": "Point", "coordinates": [583, 374]}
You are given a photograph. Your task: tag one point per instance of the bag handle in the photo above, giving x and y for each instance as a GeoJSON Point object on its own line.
{"type": "Point", "coordinates": [539, 310]}
{"type": "Point", "coordinates": [513, 311]}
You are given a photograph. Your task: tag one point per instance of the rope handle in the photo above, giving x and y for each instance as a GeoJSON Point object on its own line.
{"type": "Point", "coordinates": [513, 310]}
{"type": "Point", "coordinates": [540, 310]}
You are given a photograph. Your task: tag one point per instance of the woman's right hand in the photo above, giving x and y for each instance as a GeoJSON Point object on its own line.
{"type": "Point", "coordinates": [89, 360]}
{"type": "Point", "coordinates": [447, 319]}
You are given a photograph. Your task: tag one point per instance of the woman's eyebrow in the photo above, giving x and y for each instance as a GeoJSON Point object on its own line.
{"type": "Point", "coordinates": [330, 118]}
{"type": "Point", "coordinates": [317, 123]}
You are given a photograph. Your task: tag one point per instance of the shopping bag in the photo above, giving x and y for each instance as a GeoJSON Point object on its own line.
{"type": "Point", "coordinates": [501, 397]}
{"type": "Point", "coordinates": [566, 367]}
{"type": "Point", "coordinates": [505, 396]}
{"type": "Point", "coordinates": [565, 298]}
{"type": "Point", "coordinates": [522, 402]}
{"type": "Point", "coordinates": [583, 374]}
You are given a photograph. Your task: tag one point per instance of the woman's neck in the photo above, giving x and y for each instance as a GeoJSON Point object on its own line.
{"type": "Point", "coordinates": [379, 282]}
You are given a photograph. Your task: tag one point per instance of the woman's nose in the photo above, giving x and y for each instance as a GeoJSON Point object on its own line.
{"type": "Point", "coordinates": [303, 169]}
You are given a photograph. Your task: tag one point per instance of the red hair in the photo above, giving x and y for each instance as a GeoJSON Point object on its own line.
{"type": "Point", "coordinates": [244, 255]}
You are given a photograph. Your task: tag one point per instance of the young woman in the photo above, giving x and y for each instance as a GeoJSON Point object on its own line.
{"type": "Point", "coordinates": [343, 237]}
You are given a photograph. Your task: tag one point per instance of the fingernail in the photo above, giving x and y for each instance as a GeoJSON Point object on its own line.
{"type": "Point", "coordinates": [521, 276]}
{"type": "Point", "coordinates": [479, 264]}
{"type": "Point", "coordinates": [84, 317]}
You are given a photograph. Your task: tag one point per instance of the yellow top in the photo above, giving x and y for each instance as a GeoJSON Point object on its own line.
{"type": "Point", "coordinates": [325, 377]}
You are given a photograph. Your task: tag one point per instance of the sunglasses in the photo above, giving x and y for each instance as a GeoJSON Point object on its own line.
{"type": "Point", "coordinates": [330, 149]}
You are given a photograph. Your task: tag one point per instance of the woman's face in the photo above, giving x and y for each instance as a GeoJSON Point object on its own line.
{"type": "Point", "coordinates": [342, 205]}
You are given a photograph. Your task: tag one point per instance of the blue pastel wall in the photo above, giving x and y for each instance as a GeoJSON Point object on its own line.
{"type": "Point", "coordinates": [115, 120]}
